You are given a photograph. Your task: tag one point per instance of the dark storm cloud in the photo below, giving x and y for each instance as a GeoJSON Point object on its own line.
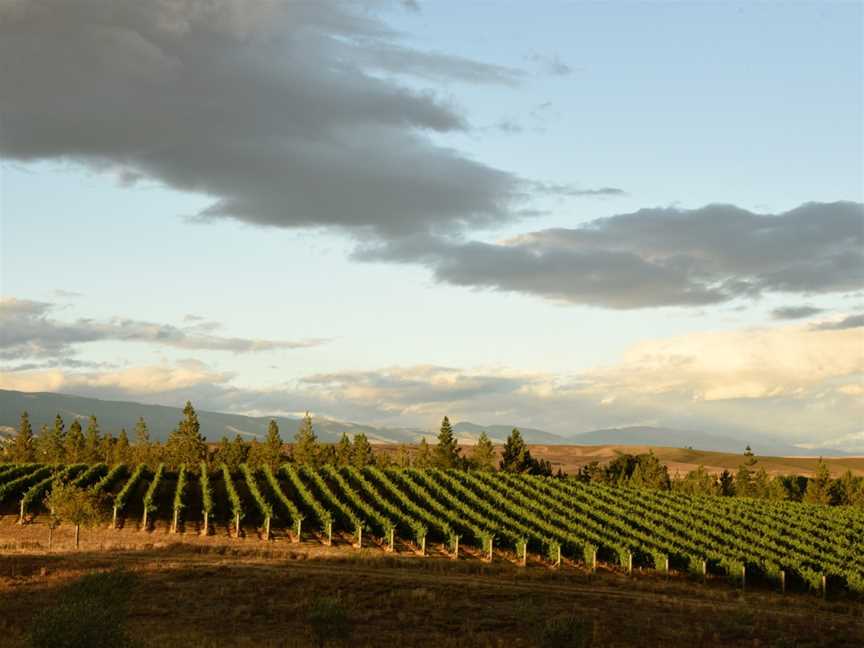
{"type": "Point", "coordinates": [849, 322]}
{"type": "Point", "coordinates": [27, 331]}
{"type": "Point", "coordinates": [287, 114]}
{"type": "Point", "coordinates": [795, 312]}
{"type": "Point", "coordinates": [659, 257]}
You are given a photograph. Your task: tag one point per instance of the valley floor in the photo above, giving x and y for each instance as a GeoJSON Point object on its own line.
{"type": "Point", "coordinates": [219, 591]}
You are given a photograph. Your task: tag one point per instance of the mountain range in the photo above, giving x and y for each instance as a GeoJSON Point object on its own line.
{"type": "Point", "coordinates": [42, 407]}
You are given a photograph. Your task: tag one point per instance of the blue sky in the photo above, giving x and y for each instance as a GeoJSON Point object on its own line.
{"type": "Point", "coordinates": [674, 106]}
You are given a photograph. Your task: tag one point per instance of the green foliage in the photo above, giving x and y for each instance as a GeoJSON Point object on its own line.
{"type": "Point", "coordinates": [206, 490]}
{"type": "Point", "coordinates": [74, 505]}
{"type": "Point", "coordinates": [232, 453]}
{"type": "Point", "coordinates": [23, 448]}
{"type": "Point", "coordinates": [135, 478]}
{"type": "Point", "coordinates": [818, 487]}
{"type": "Point", "coordinates": [185, 443]}
{"type": "Point", "coordinates": [272, 449]}
{"type": "Point", "coordinates": [306, 449]}
{"type": "Point", "coordinates": [260, 501]}
{"type": "Point", "coordinates": [697, 482]}
{"type": "Point", "coordinates": [90, 612]}
{"type": "Point", "coordinates": [516, 458]}
{"type": "Point", "coordinates": [152, 489]}
{"type": "Point", "coordinates": [180, 490]}
{"type": "Point", "coordinates": [483, 455]}
{"type": "Point", "coordinates": [343, 451]}
{"type": "Point", "coordinates": [446, 452]}
{"type": "Point", "coordinates": [75, 443]}
{"type": "Point", "coordinates": [92, 442]}
{"type": "Point", "coordinates": [423, 459]}
{"type": "Point", "coordinates": [121, 451]}
{"type": "Point", "coordinates": [233, 495]}
{"type": "Point", "coordinates": [328, 621]}
{"type": "Point", "coordinates": [361, 452]}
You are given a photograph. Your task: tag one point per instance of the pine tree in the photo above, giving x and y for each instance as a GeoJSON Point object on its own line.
{"type": "Point", "coordinates": [403, 457]}
{"type": "Point", "coordinates": [727, 484]}
{"type": "Point", "coordinates": [106, 448]}
{"type": "Point", "coordinates": [142, 450]}
{"type": "Point", "coordinates": [361, 452]}
{"type": "Point", "coordinates": [75, 443]}
{"type": "Point", "coordinates": [744, 481]}
{"type": "Point", "coordinates": [515, 457]}
{"type": "Point", "coordinates": [255, 458]}
{"type": "Point", "coordinates": [92, 441]}
{"type": "Point", "coordinates": [185, 444]}
{"type": "Point", "coordinates": [483, 456]}
{"type": "Point", "coordinates": [122, 453]}
{"type": "Point", "coordinates": [224, 450]}
{"type": "Point", "coordinates": [305, 450]}
{"type": "Point", "coordinates": [52, 442]}
{"type": "Point", "coordinates": [343, 451]}
{"type": "Point", "coordinates": [238, 453]}
{"type": "Point", "coordinates": [446, 452]}
{"type": "Point", "coordinates": [424, 455]}
{"type": "Point", "coordinates": [818, 487]}
{"type": "Point", "coordinates": [23, 445]}
{"type": "Point", "coordinates": [327, 455]}
{"type": "Point", "coordinates": [272, 451]}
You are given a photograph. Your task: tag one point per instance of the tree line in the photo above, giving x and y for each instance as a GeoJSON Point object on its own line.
{"type": "Point", "coordinates": [187, 446]}
{"type": "Point", "coordinates": [749, 480]}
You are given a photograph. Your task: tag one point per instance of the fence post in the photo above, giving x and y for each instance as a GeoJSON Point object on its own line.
{"type": "Point", "coordinates": [267, 528]}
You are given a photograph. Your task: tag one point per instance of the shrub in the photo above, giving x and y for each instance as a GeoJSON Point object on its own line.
{"type": "Point", "coordinates": [565, 632]}
{"type": "Point", "coordinates": [328, 621]}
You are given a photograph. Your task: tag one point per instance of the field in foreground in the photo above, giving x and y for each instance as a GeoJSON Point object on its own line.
{"type": "Point", "coordinates": [195, 595]}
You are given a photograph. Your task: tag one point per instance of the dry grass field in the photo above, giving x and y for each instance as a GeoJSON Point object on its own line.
{"type": "Point", "coordinates": [219, 591]}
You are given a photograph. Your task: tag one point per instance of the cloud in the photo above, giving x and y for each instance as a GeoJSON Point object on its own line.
{"type": "Point", "coordinates": [795, 312]}
{"type": "Point", "coordinates": [551, 64]}
{"type": "Point", "coordinates": [67, 294]}
{"type": "Point", "coordinates": [788, 383]}
{"type": "Point", "coordinates": [658, 257]}
{"type": "Point", "coordinates": [27, 331]}
{"type": "Point", "coordinates": [848, 322]}
{"type": "Point", "coordinates": [286, 114]}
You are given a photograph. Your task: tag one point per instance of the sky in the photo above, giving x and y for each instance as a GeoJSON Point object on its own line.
{"type": "Point", "coordinates": [567, 216]}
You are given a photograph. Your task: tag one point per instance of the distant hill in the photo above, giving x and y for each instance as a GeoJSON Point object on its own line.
{"type": "Point", "coordinates": [114, 415]}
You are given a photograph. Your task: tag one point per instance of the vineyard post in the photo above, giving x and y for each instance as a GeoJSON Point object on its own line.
{"type": "Point", "coordinates": [782, 581]}
{"type": "Point", "coordinates": [329, 533]}
{"type": "Point", "coordinates": [392, 546]}
{"type": "Point", "coordinates": [144, 521]}
{"type": "Point", "coordinates": [423, 546]}
{"type": "Point", "coordinates": [824, 586]}
{"type": "Point", "coordinates": [237, 525]}
{"type": "Point", "coordinates": [666, 566]}
{"type": "Point", "coordinates": [174, 521]}
{"type": "Point", "coordinates": [455, 555]}
{"type": "Point", "coordinates": [206, 523]}
{"type": "Point", "coordinates": [593, 560]}
{"type": "Point", "coordinates": [359, 535]}
{"type": "Point", "coordinates": [297, 536]}
{"type": "Point", "coordinates": [77, 536]}
{"type": "Point", "coordinates": [743, 577]}
{"type": "Point", "coordinates": [523, 558]}
{"type": "Point", "coordinates": [21, 516]}
{"type": "Point", "coordinates": [114, 519]}
{"type": "Point", "coordinates": [489, 556]}
{"type": "Point", "coordinates": [704, 571]}
{"type": "Point", "coordinates": [629, 562]}
{"type": "Point", "coordinates": [557, 564]}
{"type": "Point", "coordinates": [267, 528]}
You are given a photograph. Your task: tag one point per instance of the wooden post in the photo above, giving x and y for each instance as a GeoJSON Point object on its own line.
{"type": "Point", "coordinates": [114, 519]}
{"type": "Point", "coordinates": [206, 523]}
{"type": "Point", "coordinates": [21, 516]}
{"type": "Point", "coordinates": [329, 533]}
{"type": "Point", "coordinates": [77, 535]}
{"type": "Point", "coordinates": [630, 562]}
{"type": "Point", "coordinates": [359, 535]}
{"type": "Point", "coordinates": [557, 564]}
{"type": "Point", "coordinates": [489, 556]}
{"type": "Point", "coordinates": [743, 577]}
{"type": "Point", "coordinates": [782, 581]}
{"type": "Point", "coordinates": [144, 521]}
{"type": "Point", "coordinates": [666, 566]}
{"type": "Point", "coordinates": [297, 535]}
{"type": "Point", "coordinates": [455, 555]}
{"type": "Point", "coordinates": [423, 546]}
{"type": "Point", "coordinates": [237, 525]}
{"type": "Point", "coordinates": [594, 561]}
{"type": "Point", "coordinates": [392, 547]}
{"type": "Point", "coordinates": [524, 561]}
{"type": "Point", "coordinates": [174, 521]}
{"type": "Point", "coordinates": [824, 586]}
{"type": "Point", "coordinates": [704, 571]}
{"type": "Point", "coordinates": [267, 528]}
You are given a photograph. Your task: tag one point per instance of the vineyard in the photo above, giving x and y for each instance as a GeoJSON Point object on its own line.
{"type": "Point", "coordinates": [478, 515]}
